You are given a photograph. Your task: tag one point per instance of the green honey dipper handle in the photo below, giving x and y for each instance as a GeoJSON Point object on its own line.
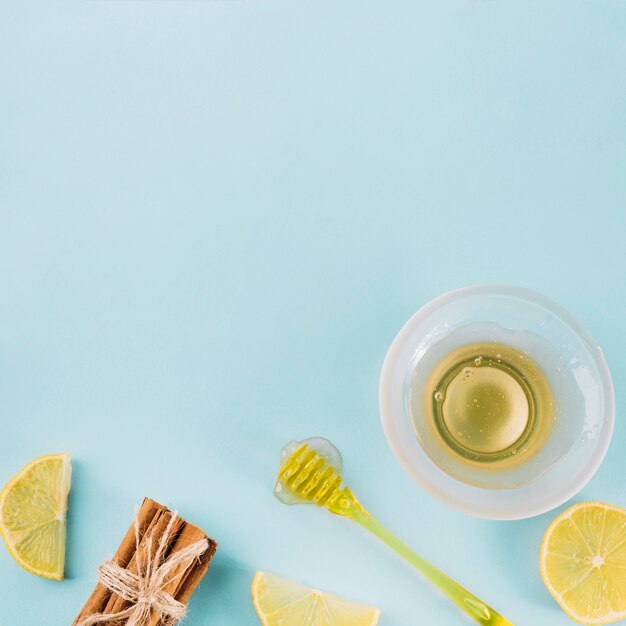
{"type": "Point", "coordinates": [349, 507]}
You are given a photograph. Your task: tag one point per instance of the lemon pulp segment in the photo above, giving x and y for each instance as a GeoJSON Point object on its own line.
{"type": "Point", "coordinates": [282, 602]}
{"type": "Point", "coordinates": [583, 562]}
{"type": "Point", "coordinates": [33, 508]}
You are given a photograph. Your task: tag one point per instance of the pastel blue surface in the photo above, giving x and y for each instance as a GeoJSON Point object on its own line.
{"type": "Point", "coordinates": [214, 217]}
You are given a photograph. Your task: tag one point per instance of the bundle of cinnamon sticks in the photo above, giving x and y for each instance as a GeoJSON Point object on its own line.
{"type": "Point", "coordinates": [151, 523]}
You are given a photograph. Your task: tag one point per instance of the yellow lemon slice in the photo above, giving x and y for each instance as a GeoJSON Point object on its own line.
{"type": "Point", "coordinates": [32, 515]}
{"type": "Point", "coordinates": [583, 562]}
{"type": "Point", "coordinates": [282, 602]}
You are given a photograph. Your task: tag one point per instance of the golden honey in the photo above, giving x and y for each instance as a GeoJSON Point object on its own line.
{"type": "Point", "coordinates": [488, 403]}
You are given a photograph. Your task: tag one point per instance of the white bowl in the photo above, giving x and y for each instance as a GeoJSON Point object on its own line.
{"type": "Point", "coordinates": [570, 359]}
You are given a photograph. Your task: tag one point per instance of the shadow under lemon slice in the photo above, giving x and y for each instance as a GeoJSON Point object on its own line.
{"type": "Point", "coordinates": [33, 507]}
{"type": "Point", "coordinates": [583, 562]}
{"type": "Point", "coordinates": [282, 602]}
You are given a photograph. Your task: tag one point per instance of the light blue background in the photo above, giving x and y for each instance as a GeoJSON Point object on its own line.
{"type": "Point", "coordinates": [214, 217]}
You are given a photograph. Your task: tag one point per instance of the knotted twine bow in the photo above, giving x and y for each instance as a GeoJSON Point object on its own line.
{"type": "Point", "coordinates": [146, 589]}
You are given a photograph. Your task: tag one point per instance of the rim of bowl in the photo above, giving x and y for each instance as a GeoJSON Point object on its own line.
{"type": "Point", "coordinates": [577, 328]}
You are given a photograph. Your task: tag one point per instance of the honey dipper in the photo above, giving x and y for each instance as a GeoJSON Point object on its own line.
{"type": "Point", "coordinates": [306, 475]}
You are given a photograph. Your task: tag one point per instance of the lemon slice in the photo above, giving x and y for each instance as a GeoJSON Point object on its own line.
{"type": "Point", "coordinates": [32, 515]}
{"type": "Point", "coordinates": [583, 562]}
{"type": "Point", "coordinates": [282, 602]}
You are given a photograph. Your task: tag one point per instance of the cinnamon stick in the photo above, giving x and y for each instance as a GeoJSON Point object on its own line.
{"type": "Point", "coordinates": [186, 535]}
{"type": "Point", "coordinates": [153, 519]}
{"type": "Point", "coordinates": [192, 577]}
{"type": "Point", "coordinates": [148, 545]}
{"type": "Point", "coordinates": [100, 596]}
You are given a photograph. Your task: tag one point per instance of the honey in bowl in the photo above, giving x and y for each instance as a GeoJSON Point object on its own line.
{"type": "Point", "coordinates": [488, 404]}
